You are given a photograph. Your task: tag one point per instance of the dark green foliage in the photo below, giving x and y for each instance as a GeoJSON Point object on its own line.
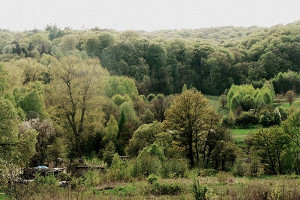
{"type": "Point", "coordinates": [247, 103]}
{"type": "Point", "coordinates": [270, 118]}
{"type": "Point", "coordinates": [273, 147]}
{"type": "Point", "coordinates": [246, 119]}
{"type": "Point", "coordinates": [54, 32]}
{"type": "Point", "coordinates": [174, 168]}
{"type": "Point", "coordinates": [121, 123]}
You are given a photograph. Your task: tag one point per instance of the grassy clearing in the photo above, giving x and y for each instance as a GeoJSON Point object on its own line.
{"type": "Point", "coordinates": [225, 186]}
{"type": "Point", "coordinates": [214, 102]}
{"type": "Point", "coordinates": [239, 135]}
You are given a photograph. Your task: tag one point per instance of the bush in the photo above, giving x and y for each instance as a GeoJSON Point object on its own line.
{"type": "Point", "coordinates": [165, 188]}
{"type": "Point", "coordinates": [246, 119]}
{"type": "Point", "coordinates": [149, 161]}
{"type": "Point", "coordinates": [227, 121]}
{"type": "Point", "coordinates": [174, 168]}
{"type": "Point", "coordinates": [46, 180]}
{"type": "Point", "coordinates": [239, 167]}
{"type": "Point", "coordinates": [152, 178]}
{"type": "Point", "coordinates": [92, 178]}
{"type": "Point", "coordinates": [119, 170]}
{"type": "Point", "coordinates": [199, 191]}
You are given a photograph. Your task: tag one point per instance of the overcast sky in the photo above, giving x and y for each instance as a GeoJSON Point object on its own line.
{"type": "Point", "coordinates": [146, 15]}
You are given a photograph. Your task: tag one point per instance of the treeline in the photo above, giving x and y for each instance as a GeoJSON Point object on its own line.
{"type": "Point", "coordinates": [171, 58]}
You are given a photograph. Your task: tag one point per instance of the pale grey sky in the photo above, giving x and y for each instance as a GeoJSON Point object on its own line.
{"type": "Point", "coordinates": [146, 15]}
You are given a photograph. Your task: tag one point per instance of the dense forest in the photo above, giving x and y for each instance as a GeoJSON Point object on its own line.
{"type": "Point", "coordinates": [157, 112]}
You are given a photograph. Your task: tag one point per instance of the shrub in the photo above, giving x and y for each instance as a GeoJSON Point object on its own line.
{"type": "Point", "coordinates": [92, 178]}
{"type": "Point", "coordinates": [174, 168]}
{"type": "Point", "coordinates": [239, 167]}
{"type": "Point", "coordinates": [149, 161]}
{"type": "Point", "coordinates": [46, 180]}
{"type": "Point", "coordinates": [119, 170]}
{"type": "Point", "coordinates": [200, 191]}
{"type": "Point", "coordinates": [159, 188]}
{"type": "Point", "coordinates": [227, 121]}
{"type": "Point", "coordinates": [152, 178]}
{"type": "Point", "coordinates": [246, 119]}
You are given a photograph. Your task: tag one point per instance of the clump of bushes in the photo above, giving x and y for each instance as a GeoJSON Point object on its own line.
{"type": "Point", "coordinates": [157, 187]}
{"type": "Point", "coordinates": [174, 168]}
{"type": "Point", "coordinates": [246, 119]}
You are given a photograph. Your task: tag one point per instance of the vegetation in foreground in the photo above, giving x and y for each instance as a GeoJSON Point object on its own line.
{"type": "Point", "coordinates": [60, 107]}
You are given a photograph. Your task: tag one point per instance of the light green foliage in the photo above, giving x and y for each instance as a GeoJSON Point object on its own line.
{"type": "Point", "coordinates": [119, 99]}
{"type": "Point", "coordinates": [57, 150]}
{"type": "Point", "coordinates": [119, 169]}
{"type": "Point", "coordinates": [25, 70]}
{"type": "Point", "coordinates": [8, 127]}
{"type": "Point", "coordinates": [246, 97]}
{"type": "Point", "coordinates": [76, 94]}
{"type": "Point", "coordinates": [33, 104]}
{"type": "Point", "coordinates": [149, 161]}
{"type": "Point", "coordinates": [26, 146]}
{"type": "Point", "coordinates": [111, 130]}
{"type": "Point", "coordinates": [182, 118]}
{"type": "Point", "coordinates": [109, 152]}
{"type": "Point", "coordinates": [152, 178]}
{"type": "Point", "coordinates": [3, 79]}
{"type": "Point", "coordinates": [68, 43]}
{"type": "Point", "coordinates": [92, 178]}
{"type": "Point", "coordinates": [122, 86]}
{"type": "Point", "coordinates": [144, 136]}
{"type": "Point", "coordinates": [46, 180]}
{"type": "Point", "coordinates": [129, 111]}
{"type": "Point", "coordinates": [184, 87]}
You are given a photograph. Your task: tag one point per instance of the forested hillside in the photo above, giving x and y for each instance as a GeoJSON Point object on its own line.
{"type": "Point", "coordinates": [210, 60]}
{"type": "Point", "coordinates": [176, 114]}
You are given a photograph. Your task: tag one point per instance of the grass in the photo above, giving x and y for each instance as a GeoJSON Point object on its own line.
{"type": "Point", "coordinates": [2, 195]}
{"type": "Point", "coordinates": [214, 102]}
{"type": "Point", "coordinates": [239, 135]}
{"type": "Point", "coordinates": [232, 188]}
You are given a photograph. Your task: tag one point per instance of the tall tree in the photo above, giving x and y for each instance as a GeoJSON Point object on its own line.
{"type": "Point", "coordinates": [77, 93]}
{"type": "Point", "coordinates": [188, 118]}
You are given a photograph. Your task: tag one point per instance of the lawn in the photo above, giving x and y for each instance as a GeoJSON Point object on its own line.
{"type": "Point", "coordinates": [239, 135]}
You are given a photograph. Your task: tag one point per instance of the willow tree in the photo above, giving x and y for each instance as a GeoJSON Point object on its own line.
{"type": "Point", "coordinates": [190, 118]}
{"type": "Point", "coordinates": [77, 89]}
